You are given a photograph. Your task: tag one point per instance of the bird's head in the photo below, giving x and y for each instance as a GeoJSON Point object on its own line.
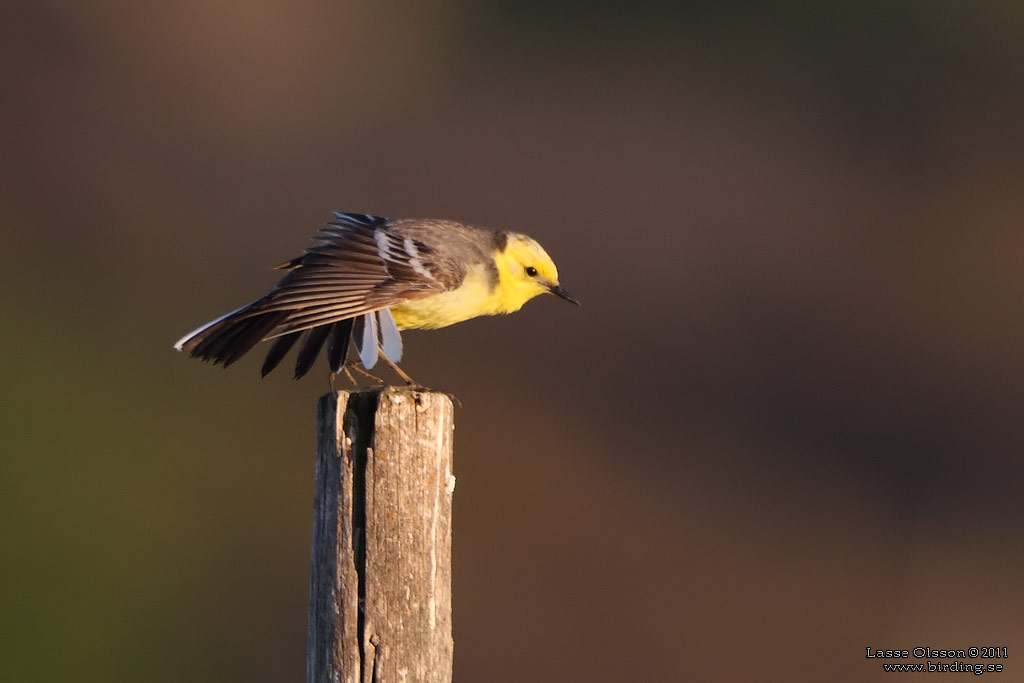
{"type": "Point", "coordinates": [526, 271]}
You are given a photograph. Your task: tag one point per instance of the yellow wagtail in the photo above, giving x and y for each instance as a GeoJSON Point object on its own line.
{"type": "Point", "coordinates": [366, 278]}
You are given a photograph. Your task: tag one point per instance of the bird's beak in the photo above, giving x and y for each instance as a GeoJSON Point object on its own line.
{"type": "Point", "coordinates": [558, 291]}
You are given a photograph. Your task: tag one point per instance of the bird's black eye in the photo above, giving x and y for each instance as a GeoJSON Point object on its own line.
{"type": "Point", "coordinates": [531, 271]}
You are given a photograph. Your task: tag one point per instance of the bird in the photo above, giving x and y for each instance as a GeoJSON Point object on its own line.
{"type": "Point", "coordinates": [366, 278]}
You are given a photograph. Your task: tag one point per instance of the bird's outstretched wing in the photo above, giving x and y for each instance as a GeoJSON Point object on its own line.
{"type": "Point", "coordinates": [358, 267]}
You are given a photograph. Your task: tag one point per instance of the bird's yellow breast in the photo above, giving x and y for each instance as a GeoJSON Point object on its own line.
{"type": "Point", "coordinates": [477, 295]}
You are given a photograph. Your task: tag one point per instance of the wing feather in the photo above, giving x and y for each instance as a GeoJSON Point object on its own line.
{"type": "Point", "coordinates": [390, 338]}
{"type": "Point", "coordinates": [356, 267]}
{"type": "Point", "coordinates": [365, 333]}
{"type": "Point", "coordinates": [315, 339]}
{"type": "Point", "coordinates": [368, 346]}
{"type": "Point", "coordinates": [278, 351]}
{"type": "Point", "coordinates": [337, 348]}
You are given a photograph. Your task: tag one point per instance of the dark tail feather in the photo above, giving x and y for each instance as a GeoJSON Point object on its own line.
{"type": "Point", "coordinates": [337, 350]}
{"type": "Point", "coordinates": [315, 339]}
{"type": "Point", "coordinates": [278, 351]}
{"type": "Point", "coordinates": [250, 333]}
{"type": "Point", "coordinates": [227, 340]}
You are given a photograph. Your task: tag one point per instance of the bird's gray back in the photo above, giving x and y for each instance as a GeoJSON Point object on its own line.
{"type": "Point", "coordinates": [455, 247]}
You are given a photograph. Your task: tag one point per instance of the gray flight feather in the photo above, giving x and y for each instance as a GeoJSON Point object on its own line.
{"type": "Point", "coordinates": [368, 341]}
{"type": "Point", "coordinates": [390, 338]}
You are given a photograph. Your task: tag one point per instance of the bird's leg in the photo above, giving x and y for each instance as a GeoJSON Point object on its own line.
{"type": "Point", "coordinates": [362, 371]}
{"type": "Point", "coordinates": [413, 384]}
{"type": "Point", "coordinates": [398, 371]}
{"type": "Point", "coordinates": [332, 375]}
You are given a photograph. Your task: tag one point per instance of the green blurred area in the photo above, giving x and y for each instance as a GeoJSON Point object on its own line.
{"type": "Point", "coordinates": [785, 420]}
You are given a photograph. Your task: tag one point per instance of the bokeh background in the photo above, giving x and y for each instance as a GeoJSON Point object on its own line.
{"type": "Point", "coordinates": [785, 425]}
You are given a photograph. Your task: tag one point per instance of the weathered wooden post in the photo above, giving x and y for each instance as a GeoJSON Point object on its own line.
{"type": "Point", "coordinates": [380, 589]}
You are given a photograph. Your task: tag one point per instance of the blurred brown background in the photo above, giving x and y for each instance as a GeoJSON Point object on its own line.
{"type": "Point", "coordinates": [784, 426]}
